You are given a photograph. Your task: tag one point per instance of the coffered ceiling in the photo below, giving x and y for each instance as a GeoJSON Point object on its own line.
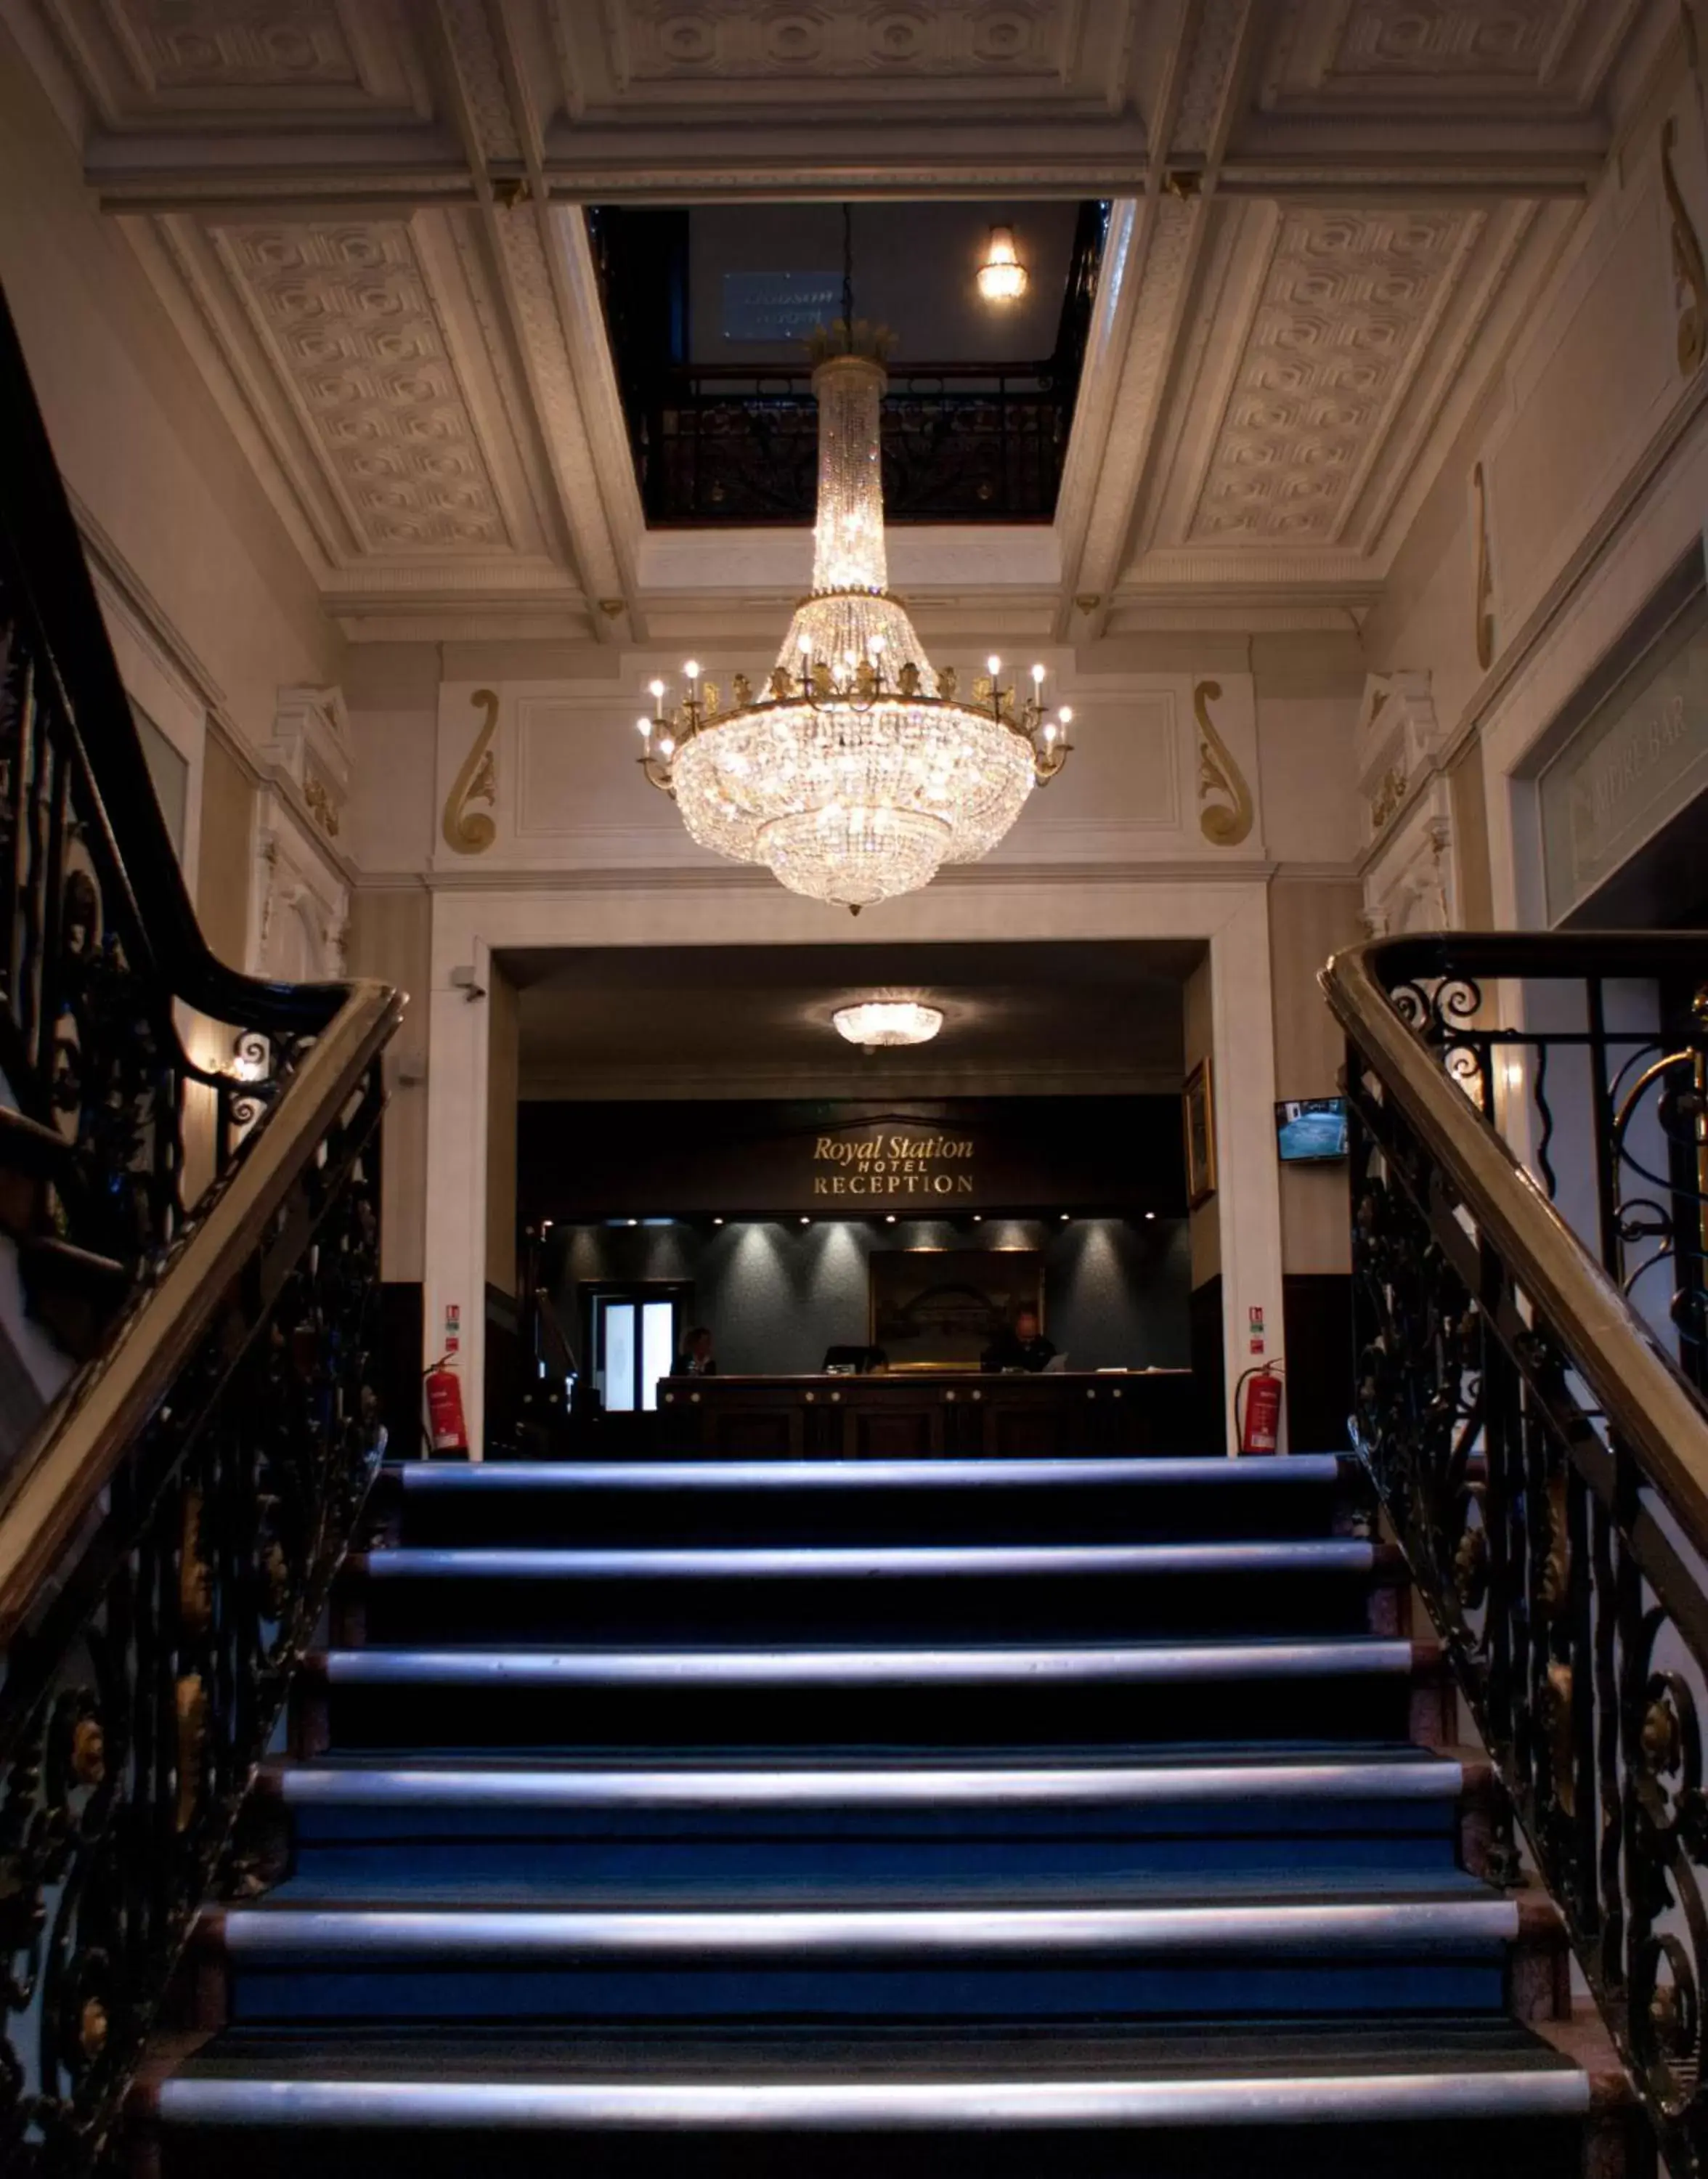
{"type": "Point", "coordinates": [365, 216]}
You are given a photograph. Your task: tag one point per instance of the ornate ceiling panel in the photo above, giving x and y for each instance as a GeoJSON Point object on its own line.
{"type": "Point", "coordinates": [1342, 318]}
{"type": "Point", "coordinates": [662, 41]}
{"type": "Point", "coordinates": [621, 54]}
{"type": "Point", "coordinates": [1523, 57]}
{"type": "Point", "coordinates": [269, 60]}
{"type": "Point", "coordinates": [364, 217]}
{"type": "Point", "coordinates": [345, 313]}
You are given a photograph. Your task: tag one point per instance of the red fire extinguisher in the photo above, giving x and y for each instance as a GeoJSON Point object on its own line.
{"type": "Point", "coordinates": [447, 1432]}
{"type": "Point", "coordinates": [1260, 1431]}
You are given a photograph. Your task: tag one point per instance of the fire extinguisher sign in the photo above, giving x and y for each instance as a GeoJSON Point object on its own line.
{"type": "Point", "coordinates": [453, 1327]}
{"type": "Point", "coordinates": [1255, 1317]}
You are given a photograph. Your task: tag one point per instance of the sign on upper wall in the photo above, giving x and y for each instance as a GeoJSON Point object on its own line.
{"type": "Point", "coordinates": [1633, 764]}
{"type": "Point", "coordinates": [935, 1157]}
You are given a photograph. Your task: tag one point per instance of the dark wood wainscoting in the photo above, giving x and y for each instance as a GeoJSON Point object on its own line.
{"type": "Point", "coordinates": [933, 1415]}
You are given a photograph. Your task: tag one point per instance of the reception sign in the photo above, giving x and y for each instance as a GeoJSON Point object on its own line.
{"type": "Point", "coordinates": [938, 1158]}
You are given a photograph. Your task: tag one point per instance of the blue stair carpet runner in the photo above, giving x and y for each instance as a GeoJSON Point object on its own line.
{"type": "Point", "coordinates": [1027, 1817]}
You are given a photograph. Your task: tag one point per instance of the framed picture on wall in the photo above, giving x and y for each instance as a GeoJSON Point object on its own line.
{"type": "Point", "coordinates": [1199, 1108]}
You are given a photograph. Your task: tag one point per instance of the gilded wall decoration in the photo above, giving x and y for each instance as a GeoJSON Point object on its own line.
{"type": "Point", "coordinates": [1484, 606]}
{"type": "Point", "coordinates": [1387, 798]}
{"type": "Point", "coordinates": [1689, 273]}
{"type": "Point", "coordinates": [320, 806]}
{"type": "Point", "coordinates": [1224, 824]}
{"type": "Point", "coordinates": [467, 832]}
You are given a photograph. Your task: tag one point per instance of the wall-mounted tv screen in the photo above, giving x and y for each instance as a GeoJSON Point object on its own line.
{"type": "Point", "coordinates": [1310, 1130]}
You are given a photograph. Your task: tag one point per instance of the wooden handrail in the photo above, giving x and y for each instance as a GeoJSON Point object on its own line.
{"type": "Point", "coordinates": [84, 1437]}
{"type": "Point", "coordinates": [1658, 1415]}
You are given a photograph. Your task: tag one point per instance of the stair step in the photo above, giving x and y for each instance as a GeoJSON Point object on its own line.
{"type": "Point", "coordinates": [660, 1502]}
{"type": "Point", "coordinates": [515, 1791]}
{"type": "Point", "coordinates": [1478, 2097]}
{"type": "Point", "coordinates": [1242, 1957]}
{"type": "Point", "coordinates": [1325, 1688]}
{"type": "Point", "coordinates": [978, 1590]}
{"type": "Point", "coordinates": [482, 1827]}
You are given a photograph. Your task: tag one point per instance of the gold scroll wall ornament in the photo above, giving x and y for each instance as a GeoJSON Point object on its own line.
{"type": "Point", "coordinates": [1689, 270]}
{"type": "Point", "coordinates": [1224, 824]}
{"type": "Point", "coordinates": [1485, 578]}
{"type": "Point", "coordinates": [469, 832]}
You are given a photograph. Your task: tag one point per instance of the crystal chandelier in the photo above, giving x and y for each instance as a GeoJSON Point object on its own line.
{"type": "Point", "coordinates": [858, 772]}
{"type": "Point", "coordinates": [880, 1024]}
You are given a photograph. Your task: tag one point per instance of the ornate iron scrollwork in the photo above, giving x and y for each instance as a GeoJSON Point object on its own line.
{"type": "Point", "coordinates": [136, 1708]}
{"type": "Point", "coordinates": [1577, 1630]}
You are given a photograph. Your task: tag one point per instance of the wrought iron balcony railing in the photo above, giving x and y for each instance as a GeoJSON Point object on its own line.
{"type": "Point", "coordinates": [1530, 1404]}
{"type": "Point", "coordinates": [204, 1239]}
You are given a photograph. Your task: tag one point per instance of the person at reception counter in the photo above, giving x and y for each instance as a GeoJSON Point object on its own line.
{"type": "Point", "coordinates": [696, 1359]}
{"type": "Point", "coordinates": [1022, 1346]}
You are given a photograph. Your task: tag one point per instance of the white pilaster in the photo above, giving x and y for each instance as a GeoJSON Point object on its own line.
{"type": "Point", "coordinates": [456, 1130]}
{"type": "Point", "coordinates": [1248, 1194]}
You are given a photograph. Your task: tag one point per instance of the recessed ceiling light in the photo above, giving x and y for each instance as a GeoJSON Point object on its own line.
{"type": "Point", "coordinates": [885, 1022]}
{"type": "Point", "coordinates": [889, 1218]}
{"type": "Point", "coordinates": [806, 1222]}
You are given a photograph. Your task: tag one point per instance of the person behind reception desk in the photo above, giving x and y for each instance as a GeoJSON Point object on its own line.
{"type": "Point", "coordinates": [696, 1359]}
{"type": "Point", "coordinates": [1022, 1347]}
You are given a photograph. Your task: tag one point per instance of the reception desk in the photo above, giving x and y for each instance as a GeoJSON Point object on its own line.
{"type": "Point", "coordinates": [906, 1415]}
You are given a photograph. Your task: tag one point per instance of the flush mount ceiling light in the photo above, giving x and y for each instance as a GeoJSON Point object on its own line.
{"type": "Point", "coordinates": [877, 1022]}
{"type": "Point", "coordinates": [857, 772]}
{"type": "Point", "coordinates": [1002, 278]}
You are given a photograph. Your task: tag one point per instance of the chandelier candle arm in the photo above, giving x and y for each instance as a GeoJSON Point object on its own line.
{"type": "Point", "coordinates": [858, 773]}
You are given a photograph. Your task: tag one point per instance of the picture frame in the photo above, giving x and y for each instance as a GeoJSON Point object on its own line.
{"type": "Point", "coordinates": [1198, 1116]}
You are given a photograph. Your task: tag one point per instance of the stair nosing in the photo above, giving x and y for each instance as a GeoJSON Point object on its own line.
{"type": "Point", "coordinates": [513, 1935]}
{"type": "Point", "coordinates": [932, 1785]}
{"type": "Point", "coordinates": [1325, 1656]}
{"type": "Point", "coordinates": [1233, 2099]}
{"type": "Point", "coordinates": [1292, 1470]}
{"type": "Point", "coordinates": [879, 1562]}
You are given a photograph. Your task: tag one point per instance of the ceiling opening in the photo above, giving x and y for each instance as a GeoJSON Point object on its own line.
{"type": "Point", "coordinates": [708, 308]}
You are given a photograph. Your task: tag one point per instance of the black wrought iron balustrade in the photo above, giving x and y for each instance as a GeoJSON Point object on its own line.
{"type": "Point", "coordinates": [169, 1528]}
{"type": "Point", "coordinates": [968, 443]}
{"type": "Point", "coordinates": [1540, 1446]}
{"type": "Point", "coordinates": [138, 1698]}
{"type": "Point", "coordinates": [102, 963]}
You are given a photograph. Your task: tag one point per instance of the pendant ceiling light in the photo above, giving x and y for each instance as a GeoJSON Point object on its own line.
{"type": "Point", "coordinates": [1002, 278]}
{"type": "Point", "coordinates": [858, 772]}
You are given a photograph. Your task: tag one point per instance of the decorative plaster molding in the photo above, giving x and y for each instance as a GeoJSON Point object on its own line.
{"type": "Point", "coordinates": [1689, 273]}
{"type": "Point", "coordinates": [344, 310]}
{"type": "Point", "coordinates": [310, 746]}
{"type": "Point", "coordinates": [1412, 883]}
{"type": "Point", "coordinates": [1342, 316]}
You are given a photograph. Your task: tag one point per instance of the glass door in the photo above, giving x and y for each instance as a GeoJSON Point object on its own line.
{"type": "Point", "coordinates": [635, 1338]}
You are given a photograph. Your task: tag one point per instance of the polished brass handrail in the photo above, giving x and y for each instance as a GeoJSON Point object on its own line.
{"type": "Point", "coordinates": [1660, 1419]}
{"type": "Point", "coordinates": [82, 1438]}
